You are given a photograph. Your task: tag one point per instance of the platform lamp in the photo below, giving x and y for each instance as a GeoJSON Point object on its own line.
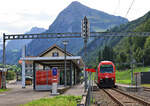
{"type": "Point", "coordinates": [65, 42]}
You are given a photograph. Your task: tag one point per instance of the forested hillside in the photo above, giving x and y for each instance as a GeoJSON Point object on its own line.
{"type": "Point", "coordinates": [124, 49]}
{"type": "Point", "coordinates": [138, 46]}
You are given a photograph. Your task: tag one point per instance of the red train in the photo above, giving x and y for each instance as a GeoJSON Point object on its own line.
{"type": "Point", "coordinates": [106, 74]}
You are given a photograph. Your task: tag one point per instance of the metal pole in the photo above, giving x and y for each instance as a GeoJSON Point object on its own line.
{"type": "Point", "coordinates": [23, 67]}
{"type": "Point", "coordinates": [136, 82]}
{"type": "Point", "coordinates": [91, 87]}
{"type": "Point", "coordinates": [65, 66]}
{"type": "Point", "coordinates": [131, 60]}
{"type": "Point", "coordinates": [90, 90]}
{"type": "Point", "coordinates": [85, 44]}
{"type": "Point", "coordinates": [3, 72]}
{"type": "Point", "coordinates": [132, 75]}
{"type": "Point", "coordinates": [65, 42]}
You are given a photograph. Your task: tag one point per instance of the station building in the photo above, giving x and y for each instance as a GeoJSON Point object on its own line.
{"type": "Point", "coordinates": [50, 58]}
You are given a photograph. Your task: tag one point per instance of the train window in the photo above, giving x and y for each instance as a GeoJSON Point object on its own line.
{"type": "Point", "coordinates": [106, 69]}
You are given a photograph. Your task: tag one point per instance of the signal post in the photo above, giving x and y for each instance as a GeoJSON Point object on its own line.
{"type": "Point", "coordinates": [85, 33]}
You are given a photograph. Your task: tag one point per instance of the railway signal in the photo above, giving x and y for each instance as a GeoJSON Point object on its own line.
{"type": "Point", "coordinates": [85, 33]}
{"type": "Point", "coordinates": [85, 28]}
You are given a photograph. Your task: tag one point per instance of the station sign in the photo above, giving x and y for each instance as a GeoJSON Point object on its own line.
{"type": "Point", "coordinates": [54, 71]}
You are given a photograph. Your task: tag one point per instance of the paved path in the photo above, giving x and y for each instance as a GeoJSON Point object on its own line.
{"type": "Point", "coordinates": [76, 90]}
{"type": "Point", "coordinates": [17, 95]}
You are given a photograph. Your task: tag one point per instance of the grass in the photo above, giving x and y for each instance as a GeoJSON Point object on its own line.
{"type": "Point", "coordinates": [124, 76]}
{"type": "Point", "coordinates": [3, 90]}
{"type": "Point", "coordinates": [55, 101]}
{"type": "Point", "coordinates": [146, 85]}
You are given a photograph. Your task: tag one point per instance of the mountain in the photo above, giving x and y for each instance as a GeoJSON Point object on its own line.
{"type": "Point", "coordinates": [13, 47]}
{"type": "Point", "coordinates": [18, 44]}
{"type": "Point", "coordinates": [1, 43]}
{"type": "Point", "coordinates": [69, 20]}
{"type": "Point", "coordinates": [121, 46]}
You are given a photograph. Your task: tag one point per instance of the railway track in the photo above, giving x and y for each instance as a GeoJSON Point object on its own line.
{"type": "Point", "coordinates": [123, 99]}
{"type": "Point", "coordinates": [146, 89]}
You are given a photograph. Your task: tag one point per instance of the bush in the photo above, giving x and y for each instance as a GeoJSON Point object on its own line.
{"type": "Point", "coordinates": [10, 75]}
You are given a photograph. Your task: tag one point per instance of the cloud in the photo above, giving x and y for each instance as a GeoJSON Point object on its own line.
{"type": "Point", "coordinates": [21, 22]}
{"type": "Point", "coordinates": [19, 16]}
{"type": "Point", "coordinates": [42, 16]}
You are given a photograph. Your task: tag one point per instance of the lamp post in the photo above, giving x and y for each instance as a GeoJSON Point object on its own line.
{"type": "Point", "coordinates": [65, 42]}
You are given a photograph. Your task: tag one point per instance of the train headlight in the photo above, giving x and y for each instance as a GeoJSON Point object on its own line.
{"type": "Point", "coordinates": [106, 76]}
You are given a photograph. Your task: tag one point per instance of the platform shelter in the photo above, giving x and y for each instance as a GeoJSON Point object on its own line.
{"type": "Point", "coordinates": [54, 57]}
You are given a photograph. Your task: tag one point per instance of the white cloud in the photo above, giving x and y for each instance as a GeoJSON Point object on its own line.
{"type": "Point", "coordinates": [18, 16]}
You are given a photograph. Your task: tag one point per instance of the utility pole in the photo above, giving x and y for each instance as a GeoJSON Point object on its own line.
{"type": "Point", "coordinates": [65, 42]}
{"type": "Point", "coordinates": [23, 67]}
{"type": "Point", "coordinates": [85, 33]}
{"type": "Point", "coordinates": [4, 71]}
{"type": "Point", "coordinates": [131, 60]}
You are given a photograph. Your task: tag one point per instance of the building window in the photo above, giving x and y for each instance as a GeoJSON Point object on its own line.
{"type": "Point", "coordinates": [55, 54]}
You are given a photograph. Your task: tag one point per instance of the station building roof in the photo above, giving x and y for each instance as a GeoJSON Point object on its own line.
{"type": "Point", "coordinates": [47, 58]}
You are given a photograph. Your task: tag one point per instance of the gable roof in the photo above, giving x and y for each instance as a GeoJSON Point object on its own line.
{"type": "Point", "coordinates": [54, 46]}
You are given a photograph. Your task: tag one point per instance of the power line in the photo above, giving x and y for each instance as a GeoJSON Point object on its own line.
{"type": "Point", "coordinates": [129, 8]}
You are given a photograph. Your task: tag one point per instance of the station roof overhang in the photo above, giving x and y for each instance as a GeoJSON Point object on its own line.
{"type": "Point", "coordinates": [3, 69]}
{"type": "Point", "coordinates": [57, 60]}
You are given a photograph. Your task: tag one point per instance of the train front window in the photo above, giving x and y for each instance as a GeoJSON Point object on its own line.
{"type": "Point", "coordinates": [106, 69]}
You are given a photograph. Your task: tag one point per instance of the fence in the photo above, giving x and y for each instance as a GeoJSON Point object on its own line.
{"type": "Point", "coordinates": [145, 77]}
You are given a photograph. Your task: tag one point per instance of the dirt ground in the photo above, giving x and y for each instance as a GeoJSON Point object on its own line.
{"type": "Point", "coordinates": [17, 95]}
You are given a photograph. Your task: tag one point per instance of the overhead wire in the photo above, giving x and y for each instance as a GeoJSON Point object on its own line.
{"type": "Point", "coordinates": [130, 8]}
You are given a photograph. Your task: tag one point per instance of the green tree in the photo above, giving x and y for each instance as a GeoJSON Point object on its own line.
{"type": "Point", "coordinates": [147, 51]}
{"type": "Point", "coordinates": [106, 53]}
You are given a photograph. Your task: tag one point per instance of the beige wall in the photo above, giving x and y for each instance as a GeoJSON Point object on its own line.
{"type": "Point", "coordinates": [49, 54]}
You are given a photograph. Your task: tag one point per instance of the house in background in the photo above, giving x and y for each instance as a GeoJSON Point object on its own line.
{"type": "Point", "coordinates": [28, 67]}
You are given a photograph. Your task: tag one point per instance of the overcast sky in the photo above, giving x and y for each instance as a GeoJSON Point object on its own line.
{"type": "Point", "coordinates": [19, 16]}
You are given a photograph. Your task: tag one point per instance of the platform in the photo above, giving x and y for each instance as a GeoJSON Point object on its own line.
{"type": "Point", "coordinates": [129, 88]}
{"type": "Point", "coordinates": [63, 89]}
{"type": "Point", "coordinates": [76, 90]}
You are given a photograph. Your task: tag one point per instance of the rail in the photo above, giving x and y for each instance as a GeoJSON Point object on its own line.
{"type": "Point", "coordinates": [114, 98]}
{"type": "Point", "coordinates": [145, 103]}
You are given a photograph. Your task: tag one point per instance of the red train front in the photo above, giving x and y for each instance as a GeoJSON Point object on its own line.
{"type": "Point", "coordinates": [106, 74]}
